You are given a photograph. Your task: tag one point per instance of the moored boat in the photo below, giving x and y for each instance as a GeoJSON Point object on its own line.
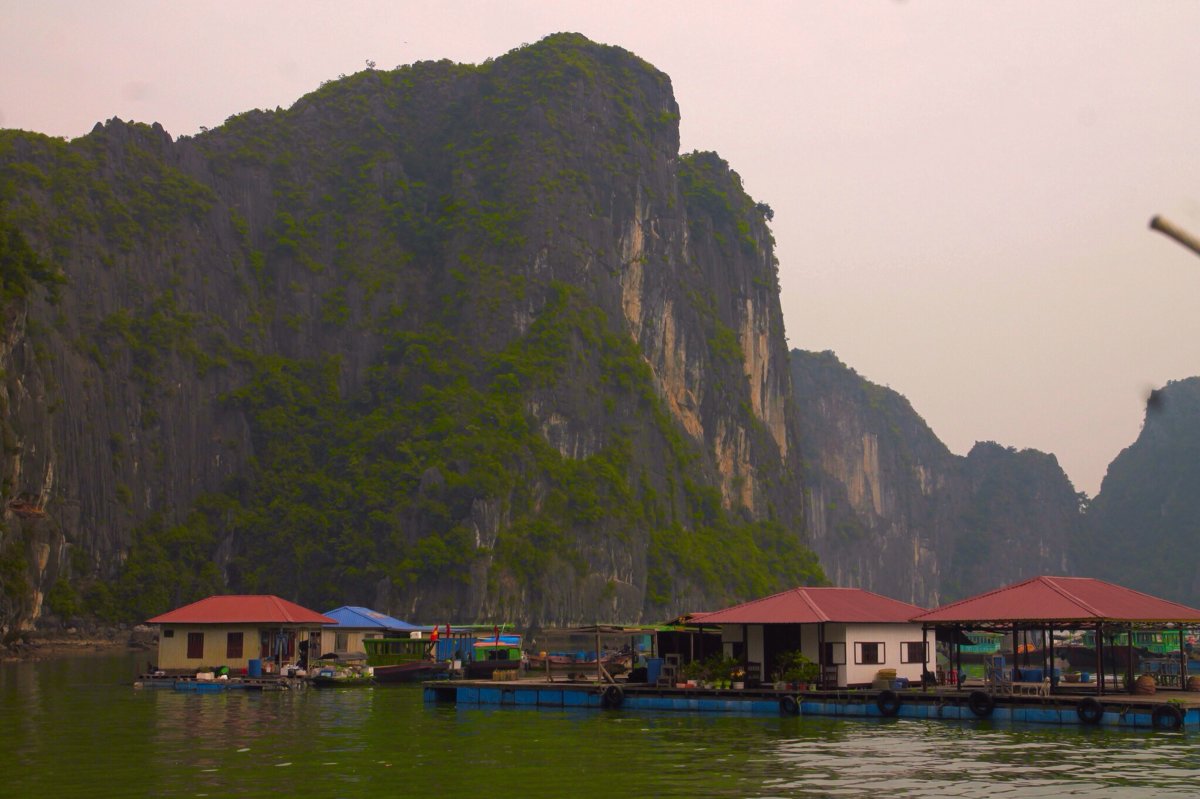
{"type": "Point", "coordinates": [403, 660]}
{"type": "Point", "coordinates": [490, 655]}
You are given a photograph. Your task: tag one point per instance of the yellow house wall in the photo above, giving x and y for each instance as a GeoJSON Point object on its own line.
{"type": "Point", "coordinates": [354, 641]}
{"type": "Point", "coordinates": [172, 652]}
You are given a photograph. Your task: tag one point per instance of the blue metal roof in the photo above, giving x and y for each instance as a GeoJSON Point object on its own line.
{"type": "Point", "coordinates": [353, 616]}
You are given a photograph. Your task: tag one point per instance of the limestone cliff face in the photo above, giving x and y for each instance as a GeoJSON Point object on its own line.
{"type": "Point", "coordinates": [499, 335]}
{"type": "Point", "coordinates": [1142, 527]}
{"type": "Point", "coordinates": [892, 510]}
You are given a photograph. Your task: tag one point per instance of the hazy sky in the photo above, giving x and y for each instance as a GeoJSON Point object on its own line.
{"type": "Point", "coordinates": [961, 189]}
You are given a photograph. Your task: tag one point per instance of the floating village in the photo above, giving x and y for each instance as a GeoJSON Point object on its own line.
{"type": "Point", "coordinates": [1054, 650]}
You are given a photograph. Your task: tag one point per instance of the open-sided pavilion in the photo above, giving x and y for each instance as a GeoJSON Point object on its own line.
{"type": "Point", "coordinates": [1044, 605]}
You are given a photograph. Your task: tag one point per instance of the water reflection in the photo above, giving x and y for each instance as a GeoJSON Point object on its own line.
{"type": "Point", "coordinates": [76, 727]}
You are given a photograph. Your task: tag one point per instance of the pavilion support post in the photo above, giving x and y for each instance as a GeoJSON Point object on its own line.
{"type": "Point", "coordinates": [1129, 658]}
{"type": "Point", "coordinates": [820, 653]}
{"type": "Point", "coordinates": [1050, 658]}
{"type": "Point", "coordinates": [924, 658]}
{"type": "Point", "coordinates": [1016, 652]}
{"type": "Point", "coordinates": [1100, 658]}
{"type": "Point", "coordinates": [1183, 664]}
{"type": "Point", "coordinates": [745, 651]}
{"type": "Point", "coordinates": [956, 663]}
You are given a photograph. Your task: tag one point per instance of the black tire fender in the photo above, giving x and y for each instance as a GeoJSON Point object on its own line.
{"type": "Point", "coordinates": [789, 705]}
{"type": "Point", "coordinates": [612, 697]}
{"type": "Point", "coordinates": [888, 703]}
{"type": "Point", "coordinates": [981, 703]}
{"type": "Point", "coordinates": [1090, 711]}
{"type": "Point", "coordinates": [1167, 717]}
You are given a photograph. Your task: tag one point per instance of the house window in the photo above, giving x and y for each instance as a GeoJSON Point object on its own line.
{"type": "Point", "coordinates": [341, 642]}
{"type": "Point", "coordinates": [866, 654]}
{"type": "Point", "coordinates": [912, 652]}
{"type": "Point", "coordinates": [195, 645]}
{"type": "Point", "coordinates": [835, 653]}
{"type": "Point", "coordinates": [168, 633]}
{"type": "Point", "coordinates": [233, 646]}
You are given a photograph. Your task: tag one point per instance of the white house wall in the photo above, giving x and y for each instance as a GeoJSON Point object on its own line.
{"type": "Point", "coordinates": [849, 673]}
{"type": "Point", "coordinates": [730, 634]}
{"type": "Point", "coordinates": [754, 647]}
{"type": "Point", "coordinates": [891, 636]}
{"type": "Point", "coordinates": [810, 643]}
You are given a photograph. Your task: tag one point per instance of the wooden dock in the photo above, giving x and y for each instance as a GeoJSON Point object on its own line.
{"type": "Point", "coordinates": [1167, 709]}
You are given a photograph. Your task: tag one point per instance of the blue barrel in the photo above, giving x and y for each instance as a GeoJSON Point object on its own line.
{"type": "Point", "coordinates": [254, 668]}
{"type": "Point", "coordinates": [653, 669]}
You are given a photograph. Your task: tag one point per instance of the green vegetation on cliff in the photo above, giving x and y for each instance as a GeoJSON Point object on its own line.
{"type": "Point", "coordinates": [400, 303]}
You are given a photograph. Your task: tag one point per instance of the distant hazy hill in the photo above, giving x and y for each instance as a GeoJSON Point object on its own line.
{"type": "Point", "coordinates": [891, 509]}
{"type": "Point", "coordinates": [458, 342]}
{"type": "Point", "coordinates": [1144, 525]}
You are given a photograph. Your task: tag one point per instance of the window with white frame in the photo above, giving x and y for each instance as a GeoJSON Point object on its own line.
{"type": "Point", "coordinates": [867, 653]}
{"type": "Point", "coordinates": [835, 653]}
{"type": "Point", "coordinates": [912, 652]}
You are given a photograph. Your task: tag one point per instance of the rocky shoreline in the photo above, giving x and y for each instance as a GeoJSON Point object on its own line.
{"type": "Point", "coordinates": [41, 644]}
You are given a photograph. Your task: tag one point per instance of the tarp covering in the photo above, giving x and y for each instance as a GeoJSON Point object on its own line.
{"type": "Point", "coordinates": [357, 617]}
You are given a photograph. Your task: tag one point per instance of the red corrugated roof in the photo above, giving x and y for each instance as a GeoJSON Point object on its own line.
{"type": "Point", "coordinates": [252, 609]}
{"type": "Point", "coordinates": [808, 605]}
{"type": "Point", "coordinates": [1062, 599]}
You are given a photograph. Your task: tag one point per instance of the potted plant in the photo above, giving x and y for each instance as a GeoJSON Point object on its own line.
{"type": "Point", "coordinates": [723, 669]}
{"type": "Point", "coordinates": [693, 672]}
{"type": "Point", "coordinates": [796, 669]}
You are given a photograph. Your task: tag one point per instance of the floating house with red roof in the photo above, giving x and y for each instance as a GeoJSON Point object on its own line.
{"type": "Point", "coordinates": [235, 630]}
{"type": "Point", "coordinates": [851, 634]}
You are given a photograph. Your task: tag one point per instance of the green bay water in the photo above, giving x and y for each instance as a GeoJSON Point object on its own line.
{"type": "Point", "coordinates": [75, 726]}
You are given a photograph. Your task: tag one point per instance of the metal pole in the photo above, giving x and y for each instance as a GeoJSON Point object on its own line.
{"type": "Point", "coordinates": [1181, 236]}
